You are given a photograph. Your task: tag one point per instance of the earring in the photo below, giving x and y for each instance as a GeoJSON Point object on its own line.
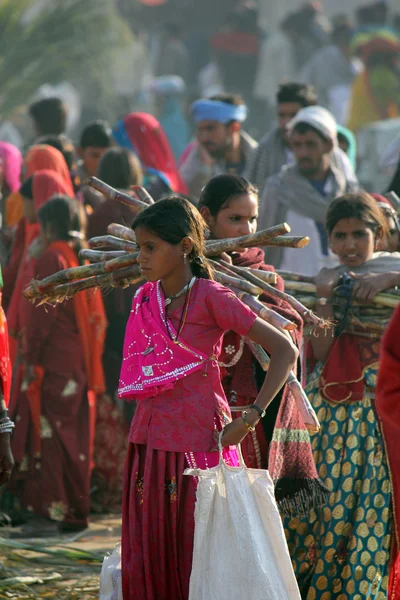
{"type": "Point", "coordinates": [184, 258]}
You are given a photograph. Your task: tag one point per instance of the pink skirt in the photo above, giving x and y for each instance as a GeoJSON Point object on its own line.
{"type": "Point", "coordinates": [158, 521]}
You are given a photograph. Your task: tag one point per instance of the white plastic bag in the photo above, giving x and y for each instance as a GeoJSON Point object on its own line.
{"type": "Point", "coordinates": [240, 549]}
{"type": "Point", "coordinates": [110, 577]}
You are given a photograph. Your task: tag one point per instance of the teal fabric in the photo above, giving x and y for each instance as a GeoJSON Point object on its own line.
{"type": "Point", "coordinates": [352, 151]}
{"type": "Point", "coordinates": [342, 550]}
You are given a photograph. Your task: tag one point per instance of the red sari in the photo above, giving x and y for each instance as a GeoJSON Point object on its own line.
{"type": "Point", "coordinates": [55, 414]}
{"type": "Point", "coordinates": [388, 409]}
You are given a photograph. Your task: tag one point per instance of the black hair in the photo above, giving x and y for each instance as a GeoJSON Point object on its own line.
{"type": "Point", "coordinates": [172, 219]}
{"type": "Point", "coordinates": [97, 134]}
{"type": "Point", "coordinates": [299, 93]}
{"type": "Point", "coordinates": [120, 168]}
{"type": "Point", "coordinates": [234, 99]}
{"type": "Point", "coordinates": [26, 189]}
{"type": "Point", "coordinates": [359, 205]}
{"type": "Point", "coordinates": [221, 189]}
{"type": "Point", "coordinates": [67, 219]}
{"type": "Point", "coordinates": [303, 128]}
{"type": "Point", "coordinates": [63, 145]}
{"type": "Point", "coordinates": [49, 115]}
{"type": "Point", "coordinates": [342, 138]}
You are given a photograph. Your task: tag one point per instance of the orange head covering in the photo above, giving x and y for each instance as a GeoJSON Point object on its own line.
{"type": "Point", "coordinates": [45, 184]}
{"type": "Point", "coordinates": [43, 157]}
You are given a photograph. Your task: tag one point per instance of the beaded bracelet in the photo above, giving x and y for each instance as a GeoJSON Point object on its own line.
{"type": "Point", "coordinates": [248, 426]}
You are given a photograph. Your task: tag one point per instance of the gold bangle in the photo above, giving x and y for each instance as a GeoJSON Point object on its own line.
{"type": "Point", "coordinates": [248, 426]}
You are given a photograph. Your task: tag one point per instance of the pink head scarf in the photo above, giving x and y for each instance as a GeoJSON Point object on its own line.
{"type": "Point", "coordinates": [12, 163]}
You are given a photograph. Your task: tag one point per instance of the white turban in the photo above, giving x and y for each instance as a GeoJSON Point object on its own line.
{"type": "Point", "coordinates": [319, 118]}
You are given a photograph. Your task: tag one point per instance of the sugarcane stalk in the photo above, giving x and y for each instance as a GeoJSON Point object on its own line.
{"type": "Point", "coordinates": [289, 241]}
{"type": "Point", "coordinates": [36, 288]}
{"type": "Point", "coordinates": [303, 404]}
{"type": "Point", "coordinates": [142, 194]}
{"type": "Point", "coordinates": [379, 300]}
{"type": "Point", "coordinates": [259, 354]}
{"type": "Point", "coordinates": [112, 194]}
{"type": "Point", "coordinates": [306, 314]}
{"type": "Point", "coordinates": [120, 231]}
{"type": "Point", "coordinates": [216, 247]}
{"type": "Point", "coordinates": [300, 286]}
{"type": "Point", "coordinates": [128, 275]}
{"type": "Point", "coordinates": [288, 276]}
{"type": "Point", "coordinates": [240, 284]}
{"type": "Point", "coordinates": [265, 313]}
{"type": "Point", "coordinates": [100, 256]}
{"type": "Point", "coordinates": [109, 241]}
{"type": "Point", "coordinates": [266, 276]}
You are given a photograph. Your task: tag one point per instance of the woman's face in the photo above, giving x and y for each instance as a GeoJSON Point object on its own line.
{"type": "Point", "coordinates": [237, 218]}
{"type": "Point", "coordinates": [352, 241]}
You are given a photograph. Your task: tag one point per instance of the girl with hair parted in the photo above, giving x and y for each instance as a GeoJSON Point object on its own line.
{"type": "Point", "coordinates": [170, 367]}
{"type": "Point", "coordinates": [345, 549]}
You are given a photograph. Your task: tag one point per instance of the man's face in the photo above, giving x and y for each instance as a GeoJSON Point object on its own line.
{"type": "Point", "coordinates": [215, 137]}
{"type": "Point", "coordinates": [286, 112]}
{"type": "Point", "coordinates": [309, 149]}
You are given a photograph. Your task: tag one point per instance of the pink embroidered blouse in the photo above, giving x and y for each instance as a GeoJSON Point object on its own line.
{"type": "Point", "coordinates": [183, 419]}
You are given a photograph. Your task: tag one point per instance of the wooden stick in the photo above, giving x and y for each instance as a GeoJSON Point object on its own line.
{"type": "Point", "coordinates": [142, 194]}
{"type": "Point", "coordinates": [112, 194]}
{"type": "Point", "coordinates": [288, 241]}
{"type": "Point", "coordinates": [266, 276]}
{"type": "Point", "coordinates": [240, 284]}
{"type": "Point", "coordinates": [95, 256]}
{"type": "Point", "coordinates": [269, 315]}
{"type": "Point", "coordinates": [217, 247]}
{"type": "Point", "coordinates": [36, 288]}
{"type": "Point", "coordinates": [109, 241]}
{"type": "Point", "coordinates": [306, 314]}
{"type": "Point", "coordinates": [59, 293]}
{"type": "Point", "coordinates": [303, 404]}
{"type": "Point", "coordinates": [120, 231]}
{"type": "Point", "coordinates": [286, 275]}
{"type": "Point", "coordinates": [300, 286]}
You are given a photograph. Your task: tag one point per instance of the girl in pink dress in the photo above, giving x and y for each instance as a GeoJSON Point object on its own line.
{"type": "Point", "coordinates": [170, 367]}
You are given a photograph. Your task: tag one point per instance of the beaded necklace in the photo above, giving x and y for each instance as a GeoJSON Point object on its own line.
{"type": "Point", "coordinates": [179, 294]}
{"type": "Point", "coordinates": [184, 312]}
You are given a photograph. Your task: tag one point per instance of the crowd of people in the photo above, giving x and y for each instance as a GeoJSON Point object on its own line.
{"type": "Point", "coordinates": [81, 386]}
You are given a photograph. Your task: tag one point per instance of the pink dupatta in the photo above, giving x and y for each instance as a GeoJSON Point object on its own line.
{"type": "Point", "coordinates": [152, 361]}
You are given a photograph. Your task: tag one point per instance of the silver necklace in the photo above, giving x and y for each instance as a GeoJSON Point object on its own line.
{"type": "Point", "coordinates": [181, 292]}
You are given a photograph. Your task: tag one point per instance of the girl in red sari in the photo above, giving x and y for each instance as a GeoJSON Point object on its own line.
{"type": "Point", "coordinates": [35, 191]}
{"type": "Point", "coordinates": [229, 204]}
{"type": "Point", "coordinates": [172, 343]}
{"type": "Point", "coordinates": [55, 407]}
{"type": "Point", "coordinates": [39, 158]}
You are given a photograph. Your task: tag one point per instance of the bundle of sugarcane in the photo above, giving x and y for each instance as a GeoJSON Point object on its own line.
{"type": "Point", "coordinates": [113, 261]}
{"type": "Point", "coordinates": [364, 319]}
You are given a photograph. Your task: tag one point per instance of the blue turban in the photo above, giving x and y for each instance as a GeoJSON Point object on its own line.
{"type": "Point", "coordinates": [214, 110]}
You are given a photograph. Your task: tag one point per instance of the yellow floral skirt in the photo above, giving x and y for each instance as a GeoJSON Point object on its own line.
{"type": "Point", "coordinates": [342, 550]}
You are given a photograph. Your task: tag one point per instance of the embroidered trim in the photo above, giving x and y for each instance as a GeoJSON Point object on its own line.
{"type": "Point", "coordinates": [291, 435]}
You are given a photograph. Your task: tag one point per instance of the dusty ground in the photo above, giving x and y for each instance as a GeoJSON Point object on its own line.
{"type": "Point", "coordinates": [57, 578]}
